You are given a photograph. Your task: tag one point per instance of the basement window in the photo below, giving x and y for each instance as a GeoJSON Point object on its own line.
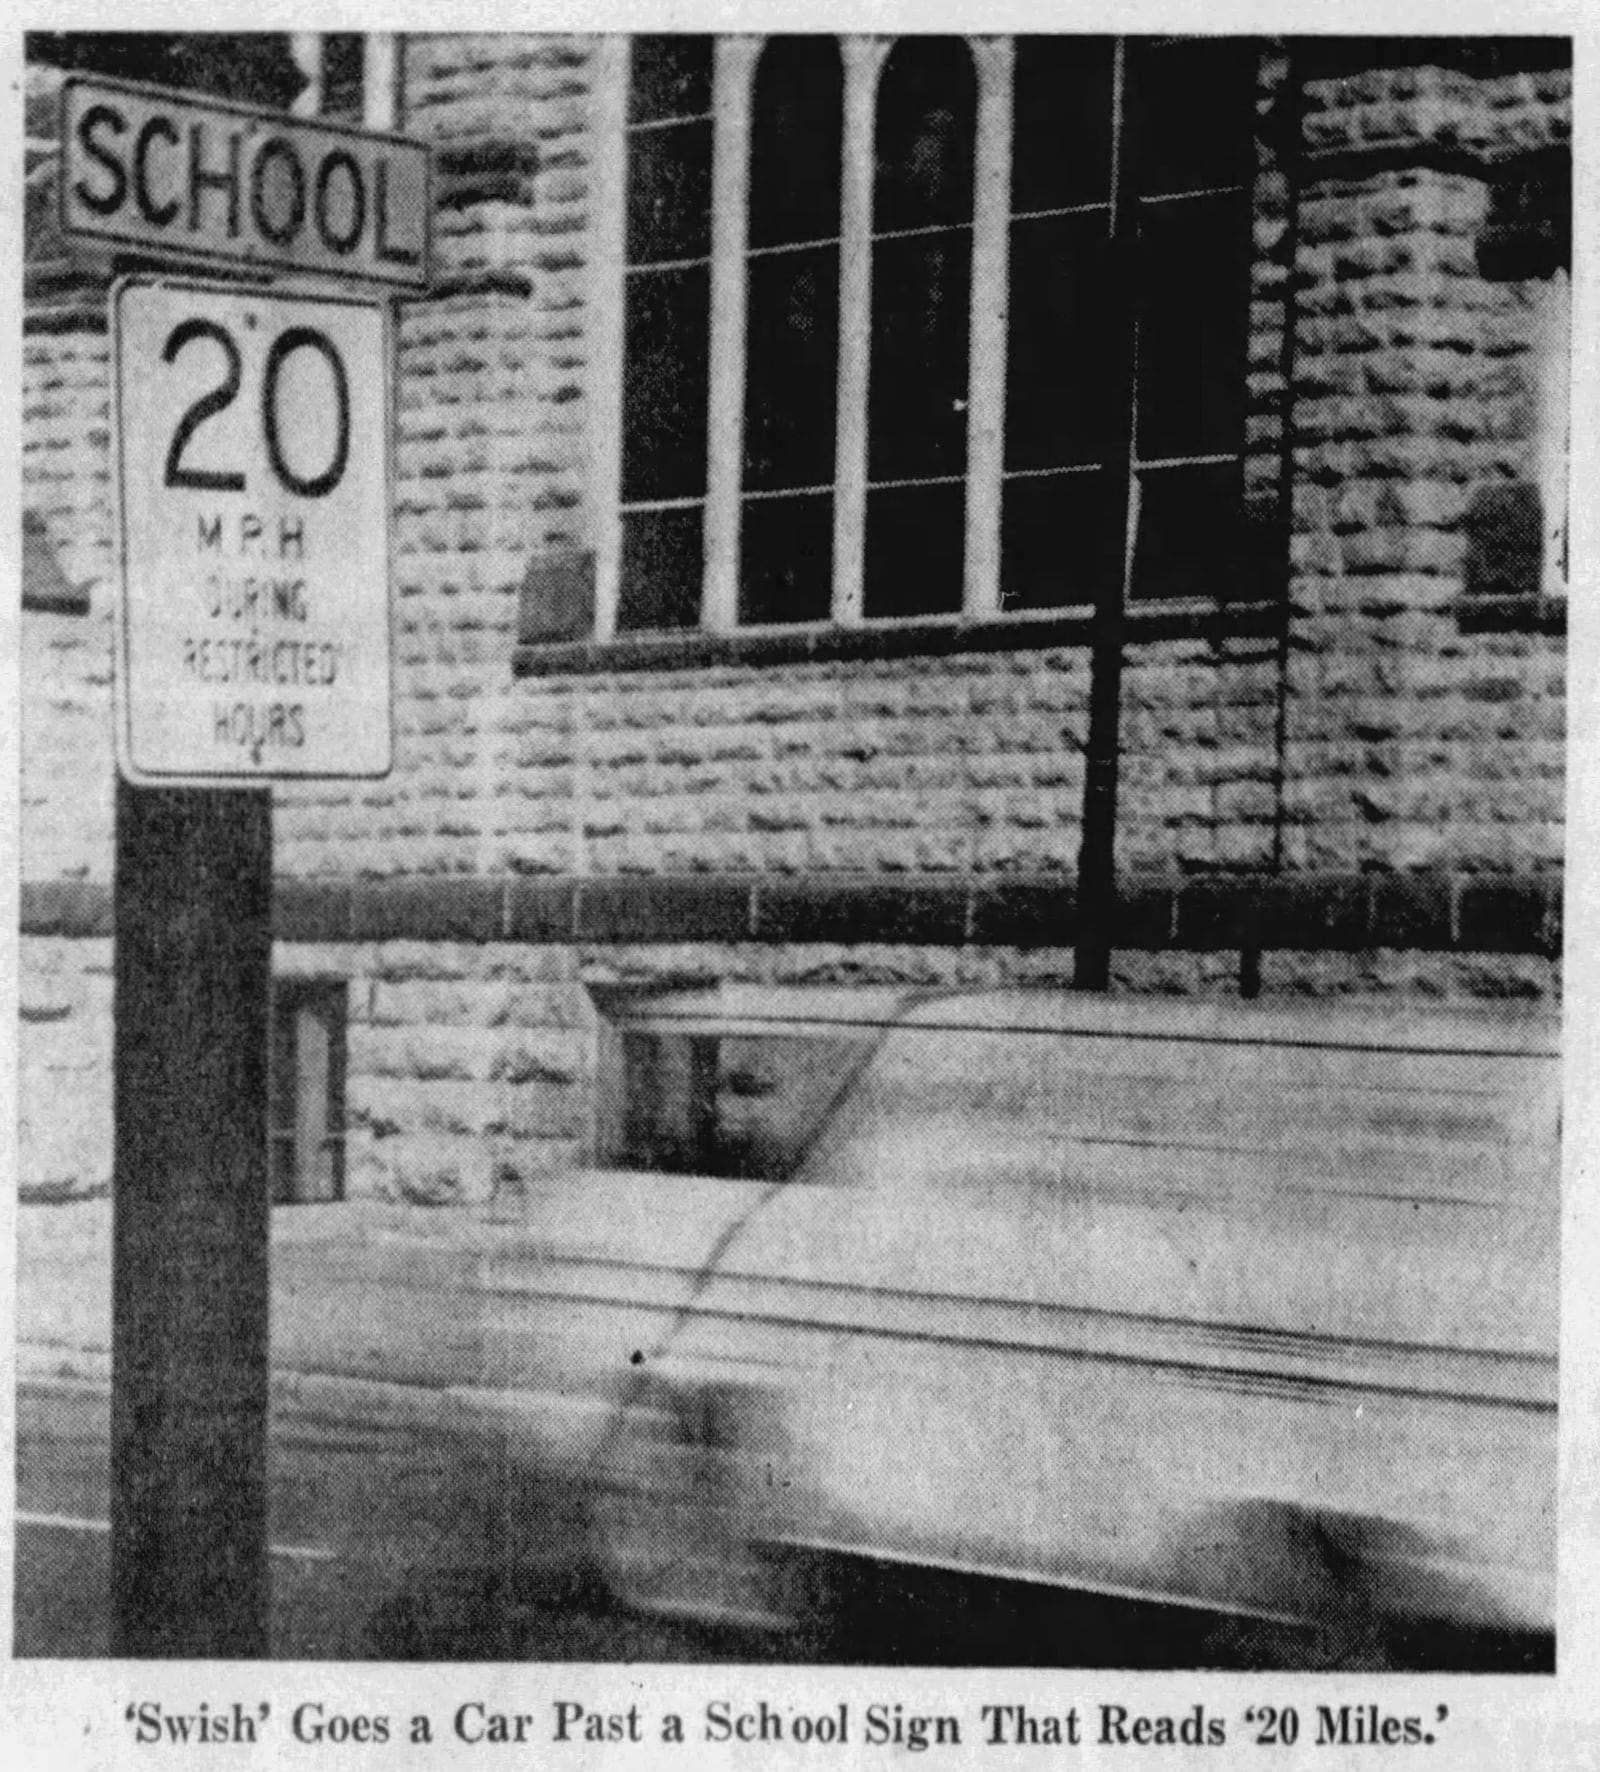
{"type": "Point", "coordinates": [307, 1090]}
{"type": "Point", "coordinates": [1515, 572]}
{"type": "Point", "coordinates": [736, 1083]}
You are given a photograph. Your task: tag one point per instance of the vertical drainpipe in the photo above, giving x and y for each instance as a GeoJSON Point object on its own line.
{"type": "Point", "coordinates": [1097, 863]}
{"type": "Point", "coordinates": [1291, 153]}
{"type": "Point", "coordinates": [1290, 137]}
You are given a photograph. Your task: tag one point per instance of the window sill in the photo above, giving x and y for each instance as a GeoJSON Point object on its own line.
{"type": "Point", "coordinates": [1518, 613]}
{"type": "Point", "coordinates": [930, 638]}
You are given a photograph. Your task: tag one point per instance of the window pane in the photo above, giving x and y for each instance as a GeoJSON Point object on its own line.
{"type": "Point", "coordinates": [1191, 540]}
{"type": "Point", "coordinates": [732, 1106]}
{"type": "Point", "coordinates": [1060, 397]}
{"type": "Point", "coordinates": [664, 387]}
{"type": "Point", "coordinates": [669, 193]}
{"type": "Point", "coordinates": [792, 367]}
{"type": "Point", "coordinates": [1192, 326]}
{"type": "Point", "coordinates": [671, 78]}
{"type": "Point", "coordinates": [662, 562]}
{"type": "Point", "coordinates": [343, 70]}
{"type": "Point", "coordinates": [917, 391]}
{"type": "Point", "coordinates": [307, 1112]}
{"type": "Point", "coordinates": [1061, 132]}
{"type": "Point", "coordinates": [796, 142]}
{"type": "Point", "coordinates": [1058, 541]}
{"type": "Point", "coordinates": [774, 1097]}
{"type": "Point", "coordinates": [927, 107]}
{"type": "Point", "coordinates": [786, 559]}
{"type": "Point", "coordinates": [314, 1067]}
{"type": "Point", "coordinates": [914, 550]}
{"type": "Point", "coordinates": [1191, 110]}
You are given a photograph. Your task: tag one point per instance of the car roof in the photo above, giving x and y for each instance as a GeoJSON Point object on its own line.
{"type": "Point", "coordinates": [841, 1011]}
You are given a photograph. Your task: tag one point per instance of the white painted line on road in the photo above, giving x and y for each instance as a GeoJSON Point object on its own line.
{"type": "Point", "coordinates": [306, 1553]}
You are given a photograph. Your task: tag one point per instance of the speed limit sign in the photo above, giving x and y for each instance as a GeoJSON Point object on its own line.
{"type": "Point", "coordinates": [253, 472]}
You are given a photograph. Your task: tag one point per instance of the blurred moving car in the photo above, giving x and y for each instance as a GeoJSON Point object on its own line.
{"type": "Point", "coordinates": [1221, 1306]}
{"type": "Point", "coordinates": [1243, 1309]}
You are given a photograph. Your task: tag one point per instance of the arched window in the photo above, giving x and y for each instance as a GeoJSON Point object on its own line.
{"type": "Point", "coordinates": [792, 333]}
{"type": "Point", "coordinates": [921, 306]}
{"type": "Point", "coordinates": [923, 330]}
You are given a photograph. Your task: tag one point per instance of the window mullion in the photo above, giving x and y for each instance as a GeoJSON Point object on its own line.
{"type": "Point", "coordinates": [1553, 372]}
{"type": "Point", "coordinates": [733, 90]}
{"type": "Point", "coordinates": [986, 378]}
{"type": "Point", "coordinates": [305, 49]}
{"type": "Point", "coordinates": [1124, 228]}
{"type": "Point", "coordinates": [608, 245]}
{"type": "Point", "coordinates": [380, 81]}
{"type": "Point", "coordinates": [863, 61]}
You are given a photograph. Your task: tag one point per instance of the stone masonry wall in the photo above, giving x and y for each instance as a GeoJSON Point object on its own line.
{"type": "Point", "coordinates": [1409, 741]}
{"type": "Point", "coordinates": [65, 664]}
{"type": "Point", "coordinates": [472, 1066]}
{"type": "Point", "coordinates": [489, 445]}
{"type": "Point", "coordinates": [63, 1067]}
{"type": "Point", "coordinates": [1412, 739]}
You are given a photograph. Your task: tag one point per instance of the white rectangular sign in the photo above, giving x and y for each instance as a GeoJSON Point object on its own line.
{"type": "Point", "coordinates": [202, 178]}
{"type": "Point", "coordinates": [253, 473]}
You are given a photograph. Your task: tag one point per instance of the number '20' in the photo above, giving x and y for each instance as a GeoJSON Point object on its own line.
{"type": "Point", "coordinates": [222, 396]}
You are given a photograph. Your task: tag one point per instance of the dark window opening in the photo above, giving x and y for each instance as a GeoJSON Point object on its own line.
{"type": "Point", "coordinates": [1191, 534]}
{"type": "Point", "coordinates": [792, 369]}
{"type": "Point", "coordinates": [669, 193]}
{"type": "Point", "coordinates": [914, 555]}
{"type": "Point", "coordinates": [1061, 136]}
{"type": "Point", "coordinates": [1190, 104]}
{"type": "Point", "coordinates": [927, 111]}
{"type": "Point", "coordinates": [1190, 107]}
{"type": "Point", "coordinates": [1061, 397]}
{"type": "Point", "coordinates": [667, 332]}
{"type": "Point", "coordinates": [1505, 541]}
{"type": "Point", "coordinates": [671, 78]}
{"type": "Point", "coordinates": [45, 586]}
{"type": "Point", "coordinates": [786, 559]}
{"type": "Point", "coordinates": [343, 75]}
{"type": "Point", "coordinates": [663, 557]}
{"type": "Point", "coordinates": [738, 1106]}
{"type": "Point", "coordinates": [666, 346]}
{"type": "Point", "coordinates": [920, 329]}
{"type": "Point", "coordinates": [1059, 543]}
{"type": "Point", "coordinates": [253, 66]}
{"type": "Point", "coordinates": [796, 142]}
{"type": "Point", "coordinates": [1193, 327]}
{"type": "Point", "coordinates": [792, 332]}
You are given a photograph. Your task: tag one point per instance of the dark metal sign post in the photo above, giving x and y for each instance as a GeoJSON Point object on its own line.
{"type": "Point", "coordinates": [189, 1369]}
{"type": "Point", "coordinates": [254, 489]}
